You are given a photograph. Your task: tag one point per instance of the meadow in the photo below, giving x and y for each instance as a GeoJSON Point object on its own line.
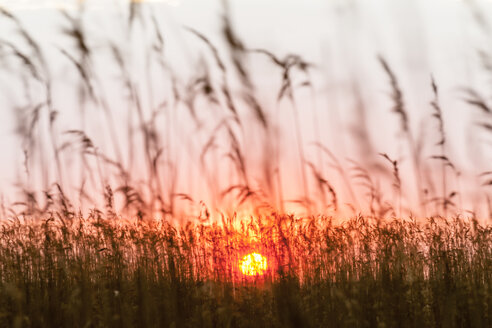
{"type": "Point", "coordinates": [94, 272]}
{"type": "Point", "coordinates": [136, 203]}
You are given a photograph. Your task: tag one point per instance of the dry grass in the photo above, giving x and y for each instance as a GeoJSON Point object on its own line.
{"type": "Point", "coordinates": [76, 272]}
{"type": "Point", "coordinates": [132, 261]}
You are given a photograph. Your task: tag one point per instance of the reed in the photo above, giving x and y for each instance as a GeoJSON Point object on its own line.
{"type": "Point", "coordinates": [74, 271]}
{"type": "Point", "coordinates": [115, 238]}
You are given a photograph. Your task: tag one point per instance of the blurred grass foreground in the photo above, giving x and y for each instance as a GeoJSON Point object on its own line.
{"type": "Point", "coordinates": [134, 168]}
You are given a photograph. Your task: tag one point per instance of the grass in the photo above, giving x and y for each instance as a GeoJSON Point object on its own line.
{"type": "Point", "coordinates": [94, 272]}
{"type": "Point", "coordinates": [91, 241]}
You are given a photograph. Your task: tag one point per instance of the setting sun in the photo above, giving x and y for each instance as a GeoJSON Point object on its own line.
{"type": "Point", "coordinates": [272, 163]}
{"type": "Point", "coordinates": [253, 264]}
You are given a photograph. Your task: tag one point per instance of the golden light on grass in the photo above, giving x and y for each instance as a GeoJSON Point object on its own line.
{"type": "Point", "coordinates": [253, 264]}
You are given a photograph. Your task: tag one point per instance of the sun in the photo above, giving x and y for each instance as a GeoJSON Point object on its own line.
{"type": "Point", "coordinates": [253, 264]}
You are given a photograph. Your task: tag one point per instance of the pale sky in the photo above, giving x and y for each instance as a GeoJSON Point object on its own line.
{"type": "Point", "coordinates": [417, 37]}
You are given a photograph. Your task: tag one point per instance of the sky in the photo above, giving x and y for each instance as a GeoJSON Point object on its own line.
{"type": "Point", "coordinates": [419, 38]}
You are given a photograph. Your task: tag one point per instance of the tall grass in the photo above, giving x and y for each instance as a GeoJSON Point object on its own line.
{"type": "Point", "coordinates": [79, 272]}
{"type": "Point", "coordinates": [137, 156]}
{"type": "Point", "coordinates": [117, 228]}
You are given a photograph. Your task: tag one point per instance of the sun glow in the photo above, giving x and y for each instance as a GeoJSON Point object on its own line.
{"type": "Point", "coordinates": [253, 264]}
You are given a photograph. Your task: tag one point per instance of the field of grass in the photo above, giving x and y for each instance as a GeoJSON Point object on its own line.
{"type": "Point", "coordinates": [76, 272]}
{"type": "Point", "coordinates": [137, 212]}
